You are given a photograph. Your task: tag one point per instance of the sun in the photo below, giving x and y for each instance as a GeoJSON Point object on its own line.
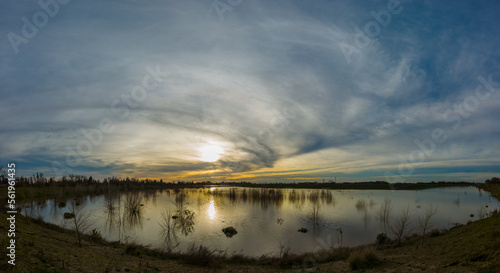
{"type": "Point", "coordinates": [210, 152]}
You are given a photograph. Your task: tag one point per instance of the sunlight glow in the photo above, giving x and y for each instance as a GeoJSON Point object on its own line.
{"type": "Point", "coordinates": [210, 152]}
{"type": "Point", "coordinates": [211, 209]}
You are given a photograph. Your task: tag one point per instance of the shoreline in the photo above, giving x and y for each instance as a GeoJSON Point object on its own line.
{"type": "Point", "coordinates": [33, 233]}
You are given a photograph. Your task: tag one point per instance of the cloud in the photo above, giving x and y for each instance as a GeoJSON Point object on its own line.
{"type": "Point", "coordinates": [269, 83]}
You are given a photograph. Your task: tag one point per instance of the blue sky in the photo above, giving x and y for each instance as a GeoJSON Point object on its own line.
{"type": "Point", "coordinates": [251, 90]}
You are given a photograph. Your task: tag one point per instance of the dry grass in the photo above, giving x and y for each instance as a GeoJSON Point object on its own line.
{"type": "Point", "coordinates": [363, 258]}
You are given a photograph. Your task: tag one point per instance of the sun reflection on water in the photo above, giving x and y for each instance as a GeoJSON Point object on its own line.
{"type": "Point", "coordinates": [211, 209]}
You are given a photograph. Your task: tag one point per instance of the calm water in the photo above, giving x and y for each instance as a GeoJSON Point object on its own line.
{"type": "Point", "coordinates": [265, 219]}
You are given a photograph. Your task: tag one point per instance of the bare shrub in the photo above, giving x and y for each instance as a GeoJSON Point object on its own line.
{"type": "Point", "coordinates": [424, 220]}
{"type": "Point", "coordinates": [78, 219]}
{"type": "Point", "coordinates": [133, 204]}
{"type": "Point", "coordinates": [481, 212]}
{"type": "Point", "coordinates": [401, 225]}
{"type": "Point", "coordinates": [167, 225]}
{"type": "Point", "coordinates": [361, 205]}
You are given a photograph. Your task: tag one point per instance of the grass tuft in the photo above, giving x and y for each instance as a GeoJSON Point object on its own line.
{"type": "Point", "coordinates": [201, 256]}
{"type": "Point", "coordinates": [95, 235]}
{"type": "Point", "coordinates": [363, 259]}
{"type": "Point", "coordinates": [133, 249]}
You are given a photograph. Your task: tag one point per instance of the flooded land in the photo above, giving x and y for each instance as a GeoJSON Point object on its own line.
{"type": "Point", "coordinates": [264, 221]}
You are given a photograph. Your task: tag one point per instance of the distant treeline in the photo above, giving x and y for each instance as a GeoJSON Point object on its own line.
{"type": "Point", "coordinates": [494, 180]}
{"type": "Point", "coordinates": [39, 180]}
{"type": "Point", "coordinates": [374, 185]}
{"type": "Point", "coordinates": [39, 186]}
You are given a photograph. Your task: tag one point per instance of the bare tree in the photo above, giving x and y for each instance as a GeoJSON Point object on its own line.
{"type": "Point", "coordinates": [284, 249]}
{"type": "Point", "coordinates": [401, 225]}
{"type": "Point", "coordinates": [384, 214]}
{"type": "Point", "coordinates": [78, 219]}
{"type": "Point", "coordinates": [424, 220]}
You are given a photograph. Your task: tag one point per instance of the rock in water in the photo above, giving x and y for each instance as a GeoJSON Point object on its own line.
{"type": "Point", "coordinates": [229, 231]}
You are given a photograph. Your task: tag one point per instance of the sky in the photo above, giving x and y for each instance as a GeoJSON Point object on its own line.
{"type": "Point", "coordinates": [264, 91]}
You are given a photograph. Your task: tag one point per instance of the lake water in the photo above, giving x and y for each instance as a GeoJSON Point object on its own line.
{"type": "Point", "coordinates": [266, 220]}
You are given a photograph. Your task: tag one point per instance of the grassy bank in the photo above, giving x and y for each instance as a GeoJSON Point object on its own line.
{"type": "Point", "coordinates": [42, 247]}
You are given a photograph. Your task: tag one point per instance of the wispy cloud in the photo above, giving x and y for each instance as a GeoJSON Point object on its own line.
{"type": "Point", "coordinates": [269, 83]}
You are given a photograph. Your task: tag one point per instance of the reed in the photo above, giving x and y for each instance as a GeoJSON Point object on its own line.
{"type": "Point", "coordinates": [133, 204]}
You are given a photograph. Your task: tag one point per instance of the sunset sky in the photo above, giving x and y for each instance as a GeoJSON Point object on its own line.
{"type": "Point", "coordinates": [268, 91]}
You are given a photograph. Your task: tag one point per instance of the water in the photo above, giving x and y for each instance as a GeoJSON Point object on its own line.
{"type": "Point", "coordinates": [266, 220]}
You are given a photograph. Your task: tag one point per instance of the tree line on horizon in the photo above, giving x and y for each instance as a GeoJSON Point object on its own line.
{"type": "Point", "coordinates": [38, 179]}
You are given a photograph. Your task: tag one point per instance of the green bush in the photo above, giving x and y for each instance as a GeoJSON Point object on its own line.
{"type": "Point", "coordinates": [95, 235]}
{"type": "Point", "coordinates": [382, 239]}
{"type": "Point", "coordinates": [435, 232]}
